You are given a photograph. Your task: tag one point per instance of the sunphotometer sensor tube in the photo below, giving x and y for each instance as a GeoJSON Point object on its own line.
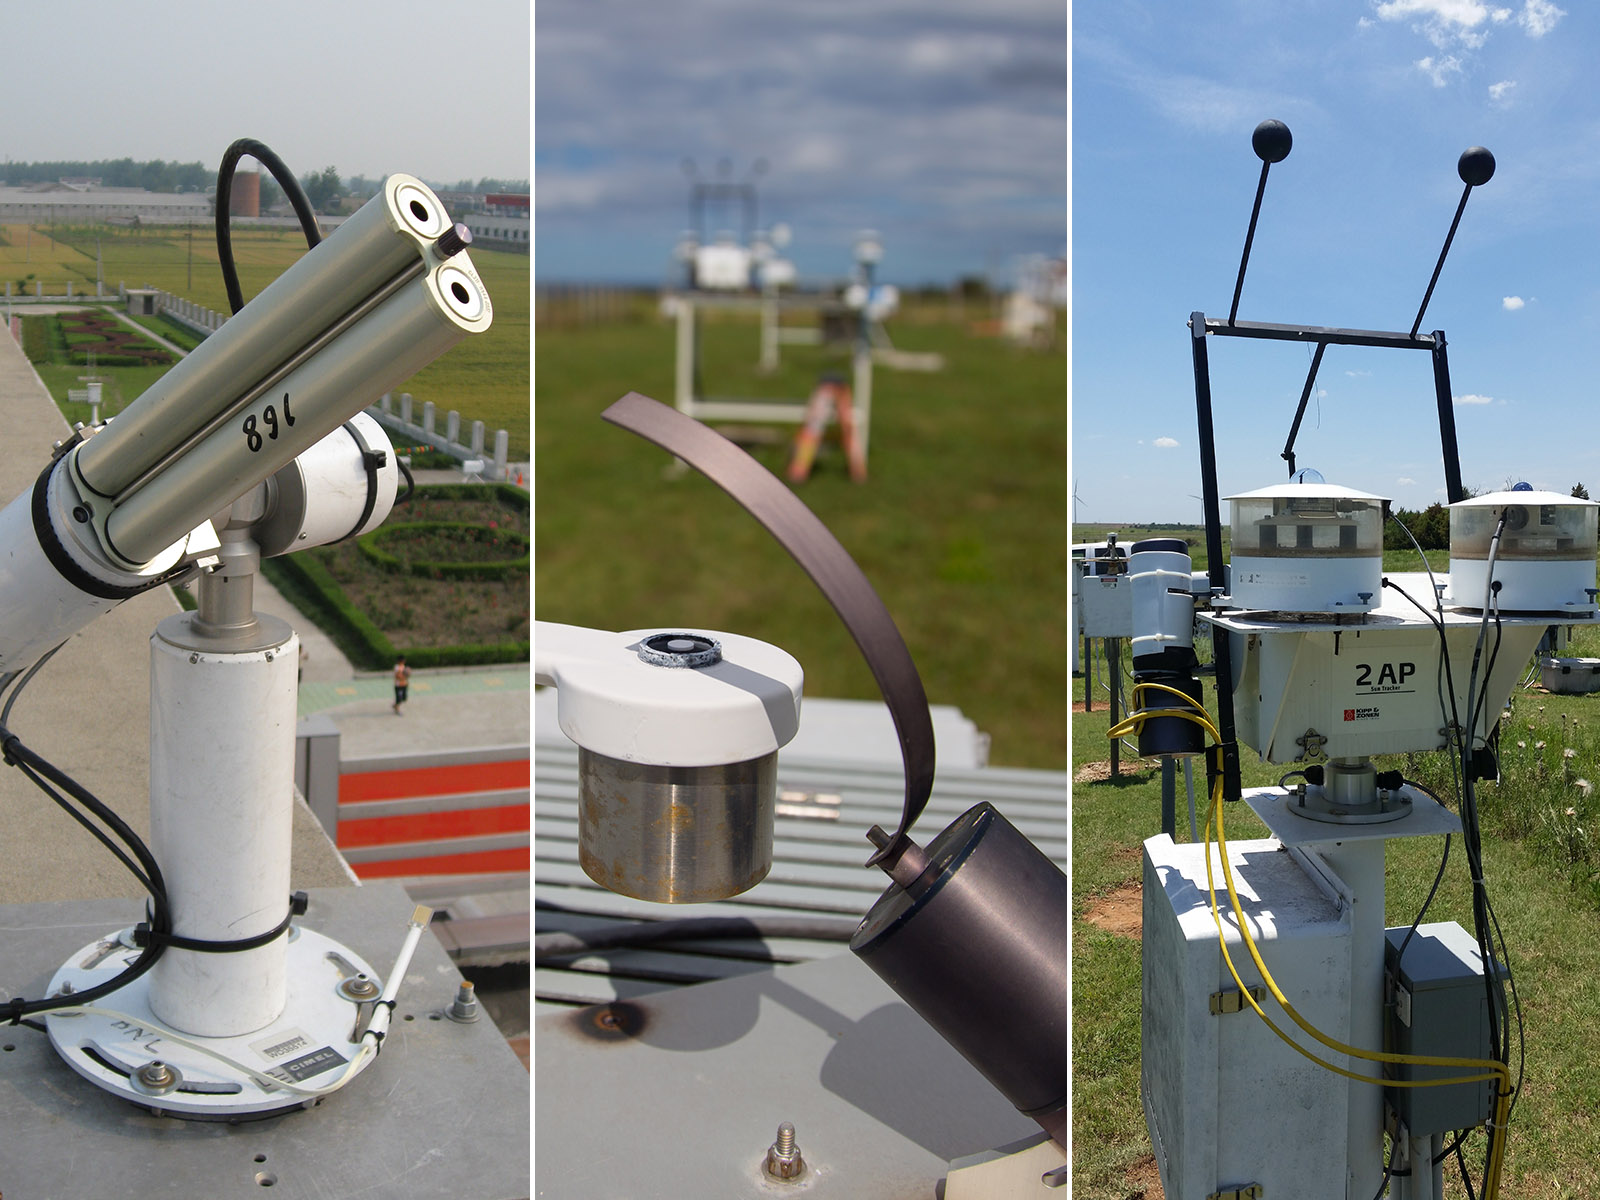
{"type": "Point", "coordinates": [398, 338]}
{"type": "Point", "coordinates": [389, 233]}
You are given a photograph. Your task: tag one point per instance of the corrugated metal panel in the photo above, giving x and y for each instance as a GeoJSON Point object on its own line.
{"type": "Point", "coordinates": [818, 867]}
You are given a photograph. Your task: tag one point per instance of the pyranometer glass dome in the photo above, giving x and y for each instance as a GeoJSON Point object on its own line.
{"type": "Point", "coordinates": [1308, 520]}
{"type": "Point", "coordinates": [1539, 526]}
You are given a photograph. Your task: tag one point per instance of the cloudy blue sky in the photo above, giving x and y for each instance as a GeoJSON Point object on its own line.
{"type": "Point", "coordinates": [368, 86]}
{"type": "Point", "coordinates": [940, 123]}
{"type": "Point", "coordinates": [1382, 96]}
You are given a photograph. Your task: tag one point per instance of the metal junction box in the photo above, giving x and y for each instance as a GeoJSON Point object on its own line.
{"type": "Point", "coordinates": [1438, 1007]}
{"type": "Point", "coordinates": [1222, 1094]}
{"type": "Point", "coordinates": [1105, 606]}
{"type": "Point", "coordinates": [1570, 676]}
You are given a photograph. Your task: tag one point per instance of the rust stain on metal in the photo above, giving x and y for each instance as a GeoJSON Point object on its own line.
{"type": "Point", "coordinates": [619, 1021]}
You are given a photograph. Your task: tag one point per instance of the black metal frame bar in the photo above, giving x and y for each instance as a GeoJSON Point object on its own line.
{"type": "Point", "coordinates": [1271, 143]}
{"type": "Point", "coordinates": [722, 192]}
{"type": "Point", "coordinates": [1199, 328]}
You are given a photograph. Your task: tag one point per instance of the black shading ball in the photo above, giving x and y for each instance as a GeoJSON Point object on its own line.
{"type": "Point", "coordinates": [1271, 142]}
{"type": "Point", "coordinates": [1475, 166]}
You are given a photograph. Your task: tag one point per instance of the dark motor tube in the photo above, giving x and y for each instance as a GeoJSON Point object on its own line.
{"type": "Point", "coordinates": [978, 948]}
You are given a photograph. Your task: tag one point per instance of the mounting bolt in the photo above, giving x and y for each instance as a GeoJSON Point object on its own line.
{"type": "Point", "coordinates": [358, 988]}
{"type": "Point", "coordinates": [156, 1078]}
{"type": "Point", "coordinates": [783, 1156]}
{"type": "Point", "coordinates": [464, 1007]}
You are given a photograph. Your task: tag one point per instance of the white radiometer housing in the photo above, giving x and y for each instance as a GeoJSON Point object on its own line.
{"type": "Point", "coordinates": [776, 272]}
{"type": "Point", "coordinates": [1307, 548]}
{"type": "Point", "coordinates": [343, 486]}
{"type": "Point", "coordinates": [678, 733]}
{"type": "Point", "coordinates": [880, 301]}
{"type": "Point", "coordinates": [1545, 559]}
{"type": "Point", "coordinates": [722, 267]}
{"type": "Point", "coordinates": [615, 702]}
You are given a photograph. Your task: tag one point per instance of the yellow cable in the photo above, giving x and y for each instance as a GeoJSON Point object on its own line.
{"type": "Point", "coordinates": [1133, 722]}
{"type": "Point", "coordinates": [1146, 685]}
{"type": "Point", "coordinates": [1492, 1068]}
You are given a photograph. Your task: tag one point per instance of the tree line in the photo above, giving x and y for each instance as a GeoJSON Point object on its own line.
{"type": "Point", "coordinates": [1431, 526]}
{"type": "Point", "coordinates": [154, 176]}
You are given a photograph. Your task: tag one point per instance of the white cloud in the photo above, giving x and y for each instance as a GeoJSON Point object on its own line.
{"type": "Point", "coordinates": [1460, 26]}
{"type": "Point", "coordinates": [816, 152]}
{"type": "Point", "coordinates": [1359, 374]}
{"type": "Point", "coordinates": [1512, 303]}
{"type": "Point", "coordinates": [1499, 93]}
{"type": "Point", "coordinates": [1365, 22]}
{"type": "Point", "coordinates": [1444, 22]}
{"type": "Point", "coordinates": [1439, 70]}
{"type": "Point", "coordinates": [1166, 443]}
{"type": "Point", "coordinates": [1405, 481]}
{"type": "Point", "coordinates": [1539, 17]}
{"type": "Point", "coordinates": [1472, 398]}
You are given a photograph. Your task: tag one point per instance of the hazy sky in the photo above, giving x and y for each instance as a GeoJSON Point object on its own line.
{"type": "Point", "coordinates": [940, 123]}
{"type": "Point", "coordinates": [1382, 96]}
{"type": "Point", "coordinates": [368, 86]}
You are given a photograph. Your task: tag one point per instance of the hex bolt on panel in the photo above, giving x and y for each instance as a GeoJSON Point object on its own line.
{"type": "Point", "coordinates": [783, 1156]}
{"type": "Point", "coordinates": [465, 1006]}
{"type": "Point", "coordinates": [156, 1078]}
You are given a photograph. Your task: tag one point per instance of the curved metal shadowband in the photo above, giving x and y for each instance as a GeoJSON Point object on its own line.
{"type": "Point", "coordinates": [835, 573]}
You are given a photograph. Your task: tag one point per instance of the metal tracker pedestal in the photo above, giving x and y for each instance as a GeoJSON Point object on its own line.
{"type": "Point", "coordinates": [1354, 855]}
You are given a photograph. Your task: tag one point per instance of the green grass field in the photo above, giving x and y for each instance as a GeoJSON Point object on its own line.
{"type": "Point", "coordinates": [486, 378]}
{"type": "Point", "coordinates": [956, 527]}
{"type": "Point", "coordinates": [1542, 863]}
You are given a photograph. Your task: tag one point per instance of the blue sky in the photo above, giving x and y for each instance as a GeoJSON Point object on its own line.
{"type": "Point", "coordinates": [1382, 97]}
{"type": "Point", "coordinates": [940, 123]}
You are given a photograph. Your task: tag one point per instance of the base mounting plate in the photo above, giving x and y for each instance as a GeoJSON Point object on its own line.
{"type": "Point", "coordinates": [315, 1035]}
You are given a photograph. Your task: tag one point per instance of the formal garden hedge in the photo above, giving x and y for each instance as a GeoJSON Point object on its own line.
{"type": "Point", "coordinates": [444, 581]}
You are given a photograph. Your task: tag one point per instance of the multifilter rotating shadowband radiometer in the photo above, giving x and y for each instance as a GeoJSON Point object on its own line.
{"type": "Point", "coordinates": [678, 732]}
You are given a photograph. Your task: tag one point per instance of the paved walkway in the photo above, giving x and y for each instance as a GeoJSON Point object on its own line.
{"type": "Point", "coordinates": [447, 709]}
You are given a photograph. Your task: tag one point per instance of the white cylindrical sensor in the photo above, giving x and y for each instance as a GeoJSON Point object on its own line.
{"type": "Point", "coordinates": [221, 822]}
{"type": "Point", "coordinates": [1163, 606]}
{"type": "Point", "coordinates": [42, 608]}
{"type": "Point", "coordinates": [331, 492]}
{"type": "Point", "coordinates": [52, 575]}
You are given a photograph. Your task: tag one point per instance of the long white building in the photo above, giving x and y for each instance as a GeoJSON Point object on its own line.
{"type": "Point", "coordinates": [75, 205]}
